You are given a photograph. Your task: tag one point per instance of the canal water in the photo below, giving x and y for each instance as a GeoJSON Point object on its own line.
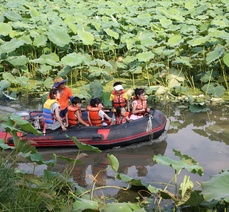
{"type": "Point", "coordinates": [202, 136]}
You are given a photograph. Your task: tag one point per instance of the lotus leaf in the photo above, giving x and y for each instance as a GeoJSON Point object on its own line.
{"type": "Point", "coordinates": [113, 161]}
{"type": "Point", "coordinates": [145, 56]}
{"type": "Point", "coordinates": [59, 36]}
{"type": "Point", "coordinates": [86, 37]}
{"type": "Point", "coordinates": [11, 45]}
{"type": "Point", "coordinates": [112, 33]}
{"type": "Point", "coordinates": [74, 59]}
{"type": "Point", "coordinates": [214, 89]}
{"type": "Point", "coordinates": [226, 59]}
{"type": "Point", "coordinates": [18, 61]}
{"type": "Point", "coordinates": [216, 188]}
{"type": "Point", "coordinates": [215, 54]}
{"type": "Point", "coordinates": [33, 12]}
{"type": "Point", "coordinates": [5, 29]}
{"type": "Point", "coordinates": [40, 40]}
{"type": "Point", "coordinates": [183, 60]}
{"type": "Point", "coordinates": [12, 15]}
{"type": "Point", "coordinates": [174, 40]}
{"type": "Point", "coordinates": [81, 204]}
{"type": "Point", "coordinates": [121, 207]}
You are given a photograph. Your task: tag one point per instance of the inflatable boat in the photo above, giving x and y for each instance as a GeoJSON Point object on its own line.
{"type": "Point", "coordinates": [151, 126]}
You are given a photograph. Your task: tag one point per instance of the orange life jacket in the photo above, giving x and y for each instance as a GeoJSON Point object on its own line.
{"type": "Point", "coordinates": [141, 104]}
{"type": "Point", "coordinates": [93, 112]}
{"type": "Point", "coordinates": [118, 100]}
{"type": "Point", "coordinates": [72, 119]}
{"type": "Point", "coordinates": [121, 119]}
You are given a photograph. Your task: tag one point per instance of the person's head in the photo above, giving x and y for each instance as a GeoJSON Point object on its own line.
{"type": "Point", "coordinates": [120, 111]}
{"type": "Point", "coordinates": [76, 101]}
{"type": "Point", "coordinates": [139, 93]}
{"type": "Point", "coordinates": [96, 102]}
{"type": "Point", "coordinates": [54, 93]}
{"type": "Point", "coordinates": [59, 83]}
{"type": "Point", "coordinates": [118, 87]}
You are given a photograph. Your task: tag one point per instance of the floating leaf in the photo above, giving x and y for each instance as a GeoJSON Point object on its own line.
{"type": "Point", "coordinates": [216, 188]}
{"type": "Point", "coordinates": [81, 204]}
{"type": "Point", "coordinates": [198, 108]}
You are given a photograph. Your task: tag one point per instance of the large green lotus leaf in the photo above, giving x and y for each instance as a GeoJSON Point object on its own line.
{"type": "Point", "coordinates": [12, 15]}
{"type": "Point", "coordinates": [113, 161]}
{"type": "Point", "coordinates": [198, 41]}
{"type": "Point", "coordinates": [215, 54]}
{"type": "Point", "coordinates": [74, 59]}
{"type": "Point", "coordinates": [215, 33]}
{"type": "Point", "coordinates": [165, 22]}
{"type": "Point", "coordinates": [44, 69]}
{"type": "Point", "coordinates": [226, 59]}
{"type": "Point", "coordinates": [5, 146]}
{"type": "Point", "coordinates": [40, 40]}
{"type": "Point", "coordinates": [120, 207]}
{"type": "Point", "coordinates": [4, 84]}
{"type": "Point", "coordinates": [216, 188]}
{"type": "Point", "coordinates": [59, 36]}
{"type": "Point", "coordinates": [129, 59]}
{"type": "Point", "coordinates": [11, 45]}
{"type": "Point", "coordinates": [100, 63]}
{"type": "Point", "coordinates": [214, 89]}
{"type": "Point", "coordinates": [197, 108]}
{"type": "Point", "coordinates": [5, 29]}
{"type": "Point", "coordinates": [86, 37]}
{"type": "Point", "coordinates": [221, 22]}
{"type": "Point", "coordinates": [183, 60]}
{"type": "Point", "coordinates": [33, 12]}
{"type": "Point", "coordinates": [18, 61]}
{"type": "Point", "coordinates": [112, 33]}
{"type": "Point", "coordinates": [130, 180]}
{"type": "Point", "coordinates": [81, 204]}
{"type": "Point", "coordinates": [145, 56]}
{"type": "Point", "coordinates": [179, 165]}
{"type": "Point", "coordinates": [70, 22]}
{"type": "Point", "coordinates": [174, 40]}
{"type": "Point", "coordinates": [148, 42]}
{"type": "Point", "coordinates": [9, 77]}
{"type": "Point", "coordinates": [130, 43]}
{"type": "Point", "coordinates": [175, 74]}
{"type": "Point", "coordinates": [82, 146]}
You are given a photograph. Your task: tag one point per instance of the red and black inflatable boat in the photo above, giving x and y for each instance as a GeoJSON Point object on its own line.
{"type": "Point", "coordinates": [149, 127]}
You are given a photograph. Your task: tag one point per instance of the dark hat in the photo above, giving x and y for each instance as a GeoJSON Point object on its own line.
{"type": "Point", "coordinates": [58, 81]}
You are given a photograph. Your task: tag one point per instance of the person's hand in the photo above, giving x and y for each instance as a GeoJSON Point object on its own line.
{"type": "Point", "coordinates": [63, 127]}
{"type": "Point", "coordinates": [148, 110]}
{"type": "Point", "coordinates": [87, 125]}
{"type": "Point", "coordinates": [66, 125]}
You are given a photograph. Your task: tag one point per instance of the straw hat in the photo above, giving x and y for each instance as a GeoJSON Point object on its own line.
{"type": "Point", "coordinates": [58, 81]}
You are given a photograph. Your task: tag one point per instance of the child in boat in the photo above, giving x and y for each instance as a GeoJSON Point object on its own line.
{"type": "Point", "coordinates": [74, 112]}
{"type": "Point", "coordinates": [139, 105]}
{"type": "Point", "coordinates": [51, 111]}
{"type": "Point", "coordinates": [121, 115]}
{"type": "Point", "coordinates": [96, 115]}
{"type": "Point", "coordinates": [119, 97]}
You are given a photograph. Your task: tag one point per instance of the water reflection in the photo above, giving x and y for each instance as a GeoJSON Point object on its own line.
{"type": "Point", "coordinates": [133, 160]}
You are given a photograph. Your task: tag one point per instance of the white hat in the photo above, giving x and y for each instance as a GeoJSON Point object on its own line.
{"type": "Point", "coordinates": [118, 87]}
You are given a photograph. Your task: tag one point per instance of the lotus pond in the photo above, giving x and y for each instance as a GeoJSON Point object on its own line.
{"type": "Point", "coordinates": [202, 136]}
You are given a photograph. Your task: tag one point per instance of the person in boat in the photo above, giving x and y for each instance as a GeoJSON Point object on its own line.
{"type": "Point", "coordinates": [119, 97]}
{"type": "Point", "coordinates": [96, 115]}
{"type": "Point", "coordinates": [65, 96]}
{"type": "Point", "coordinates": [51, 111]}
{"type": "Point", "coordinates": [122, 116]}
{"type": "Point", "coordinates": [139, 104]}
{"type": "Point", "coordinates": [74, 112]}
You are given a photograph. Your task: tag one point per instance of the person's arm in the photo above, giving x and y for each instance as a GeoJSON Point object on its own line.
{"type": "Point", "coordinates": [107, 117]}
{"type": "Point", "coordinates": [134, 110]}
{"type": "Point", "coordinates": [128, 105]}
{"type": "Point", "coordinates": [66, 119]}
{"type": "Point", "coordinates": [56, 111]}
{"type": "Point", "coordinates": [88, 117]}
{"type": "Point", "coordinates": [78, 116]}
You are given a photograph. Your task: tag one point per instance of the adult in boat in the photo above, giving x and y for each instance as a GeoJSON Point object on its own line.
{"type": "Point", "coordinates": [65, 96]}
{"type": "Point", "coordinates": [74, 112]}
{"type": "Point", "coordinates": [51, 111]}
{"type": "Point", "coordinates": [119, 97]}
{"type": "Point", "coordinates": [96, 115]}
{"type": "Point", "coordinates": [139, 104]}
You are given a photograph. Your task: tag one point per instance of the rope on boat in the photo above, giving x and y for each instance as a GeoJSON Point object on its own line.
{"type": "Point", "coordinates": [149, 127]}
